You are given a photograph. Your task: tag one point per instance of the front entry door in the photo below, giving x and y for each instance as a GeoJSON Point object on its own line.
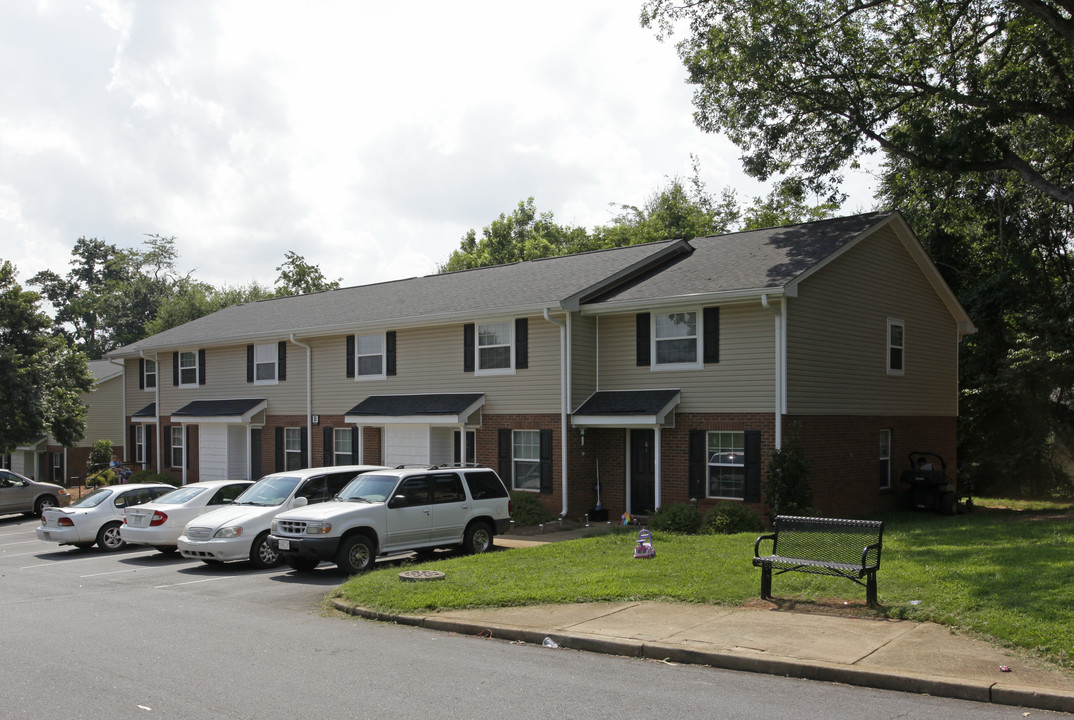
{"type": "Point", "coordinates": [642, 472]}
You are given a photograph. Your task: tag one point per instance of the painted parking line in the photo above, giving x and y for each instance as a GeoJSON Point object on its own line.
{"type": "Point", "coordinates": [65, 561]}
{"type": "Point", "coordinates": [20, 542]}
{"type": "Point", "coordinates": [194, 582]}
{"type": "Point", "coordinates": [110, 572]}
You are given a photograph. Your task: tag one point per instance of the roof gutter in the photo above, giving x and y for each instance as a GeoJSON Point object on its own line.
{"type": "Point", "coordinates": [309, 400]}
{"type": "Point", "coordinates": [564, 369]}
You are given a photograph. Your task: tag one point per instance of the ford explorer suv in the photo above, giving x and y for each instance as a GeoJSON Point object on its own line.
{"type": "Point", "coordinates": [392, 511]}
{"type": "Point", "coordinates": [238, 531]}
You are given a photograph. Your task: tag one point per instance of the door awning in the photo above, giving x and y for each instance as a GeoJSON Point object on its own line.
{"type": "Point", "coordinates": [235, 412]}
{"type": "Point", "coordinates": [149, 411]}
{"type": "Point", "coordinates": [626, 408]}
{"type": "Point", "coordinates": [425, 409]}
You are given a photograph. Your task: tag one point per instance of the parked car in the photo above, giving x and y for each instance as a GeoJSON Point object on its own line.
{"type": "Point", "coordinates": [240, 530]}
{"type": "Point", "coordinates": [19, 494]}
{"type": "Point", "coordinates": [393, 511]}
{"type": "Point", "coordinates": [96, 517]}
{"type": "Point", "coordinates": [160, 523]}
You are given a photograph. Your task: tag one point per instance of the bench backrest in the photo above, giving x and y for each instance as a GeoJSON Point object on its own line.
{"type": "Point", "coordinates": [827, 539]}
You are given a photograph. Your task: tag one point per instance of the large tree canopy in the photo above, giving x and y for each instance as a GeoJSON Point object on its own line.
{"type": "Point", "coordinates": [41, 375]}
{"type": "Point", "coordinates": [805, 87]}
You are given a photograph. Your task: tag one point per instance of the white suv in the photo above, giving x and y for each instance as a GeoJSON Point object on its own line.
{"type": "Point", "coordinates": [238, 531]}
{"type": "Point", "coordinates": [392, 511]}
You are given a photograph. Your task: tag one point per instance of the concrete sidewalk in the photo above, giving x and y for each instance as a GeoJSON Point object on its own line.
{"type": "Point", "coordinates": [879, 653]}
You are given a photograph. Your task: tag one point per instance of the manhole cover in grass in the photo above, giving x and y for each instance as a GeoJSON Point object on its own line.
{"type": "Point", "coordinates": [419, 575]}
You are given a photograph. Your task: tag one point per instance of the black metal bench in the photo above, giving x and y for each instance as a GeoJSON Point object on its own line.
{"type": "Point", "coordinates": [822, 546]}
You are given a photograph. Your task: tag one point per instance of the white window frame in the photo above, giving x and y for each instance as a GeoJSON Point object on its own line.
{"type": "Point", "coordinates": [292, 436]}
{"type": "Point", "coordinates": [265, 356]}
{"type": "Point", "coordinates": [884, 469]}
{"type": "Point", "coordinates": [344, 433]}
{"type": "Point", "coordinates": [139, 443]}
{"type": "Point", "coordinates": [188, 368]}
{"type": "Point", "coordinates": [381, 353]}
{"type": "Point", "coordinates": [177, 444]}
{"type": "Point", "coordinates": [518, 459]}
{"type": "Point", "coordinates": [697, 337]}
{"type": "Point", "coordinates": [734, 443]}
{"type": "Point", "coordinates": [892, 346]}
{"type": "Point", "coordinates": [148, 384]}
{"type": "Point", "coordinates": [479, 369]}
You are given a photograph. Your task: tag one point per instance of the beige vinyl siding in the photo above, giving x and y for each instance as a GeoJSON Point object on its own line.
{"type": "Point", "coordinates": [136, 397]}
{"type": "Point", "coordinates": [225, 379]}
{"type": "Point", "coordinates": [837, 337]}
{"type": "Point", "coordinates": [104, 413]}
{"type": "Point", "coordinates": [429, 360]}
{"type": "Point", "coordinates": [583, 358]}
{"type": "Point", "coordinates": [743, 380]}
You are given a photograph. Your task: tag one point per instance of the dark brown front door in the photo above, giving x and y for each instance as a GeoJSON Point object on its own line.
{"type": "Point", "coordinates": [642, 472]}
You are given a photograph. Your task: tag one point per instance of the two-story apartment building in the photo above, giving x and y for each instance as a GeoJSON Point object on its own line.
{"type": "Point", "coordinates": [662, 372]}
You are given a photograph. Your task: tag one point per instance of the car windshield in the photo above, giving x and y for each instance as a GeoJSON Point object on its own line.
{"type": "Point", "coordinates": [268, 491]}
{"type": "Point", "coordinates": [368, 488]}
{"type": "Point", "coordinates": [94, 499]}
{"type": "Point", "coordinates": [180, 496]}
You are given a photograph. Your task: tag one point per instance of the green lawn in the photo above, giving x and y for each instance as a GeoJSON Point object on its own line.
{"type": "Point", "coordinates": [1007, 574]}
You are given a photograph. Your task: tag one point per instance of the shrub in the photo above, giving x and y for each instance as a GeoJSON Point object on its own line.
{"type": "Point", "coordinates": [681, 518]}
{"type": "Point", "coordinates": [786, 489]}
{"type": "Point", "coordinates": [728, 518]}
{"type": "Point", "coordinates": [528, 510]}
{"type": "Point", "coordinates": [100, 478]}
{"type": "Point", "coordinates": [100, 456]}
{"type": "Point", "coordinates": [149, 476]}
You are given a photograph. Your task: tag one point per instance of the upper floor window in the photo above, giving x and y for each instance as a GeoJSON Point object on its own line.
{"type": "Point", "coordinates": [369, 356]}
{"type": "Point", "coordinates": [265, 358]}
{"type": "Point", "coordinates": [675, 339]}
{"type": "Point", "coordinates": [896, 346]}
{"type": "Point", "coordinates": [149, 374]}
{"type": "Point", "coordinates": [494, 346]}
{"type": "Point", "coordinates": [188, 368]}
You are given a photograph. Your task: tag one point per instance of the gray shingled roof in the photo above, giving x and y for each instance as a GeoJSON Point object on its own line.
{"type": "Point", "coordinates": [413, 405]}
{"type": "Point", "coordinates": [626, 402]}
{"type": "Point", "coordinates": [525, 286]}
{"type": "Point", "coordinates": [102, 370]}
{"type": "Point", "coordinates": [751, 260]}
{"type": "Point", "coordinates": [218, 408]}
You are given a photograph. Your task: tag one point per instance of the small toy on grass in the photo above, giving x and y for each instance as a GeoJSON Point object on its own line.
{"type": "Point", "coordinates": [644, 549]}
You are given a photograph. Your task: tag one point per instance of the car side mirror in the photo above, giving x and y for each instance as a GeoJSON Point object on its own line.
{"type": "Point", "coordinates": [398, 501]}
{"type": "Point", "coordinates": [300, 502]}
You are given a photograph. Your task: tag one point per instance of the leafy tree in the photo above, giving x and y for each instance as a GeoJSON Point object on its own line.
{"type": "Point", "coordinates": [676, 211]}
{"type": "Point", "coordinates": [41, 375]}
{"type": "Point", "coordinates": [297, 277]}
{"type": "Point", "coordinates": [807, 86]}
{"type": "Point", "coordinates": [190, 300]}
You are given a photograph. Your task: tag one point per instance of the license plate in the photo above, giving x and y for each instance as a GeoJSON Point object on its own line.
{"type": "Point", "coordinates": [284, 544]}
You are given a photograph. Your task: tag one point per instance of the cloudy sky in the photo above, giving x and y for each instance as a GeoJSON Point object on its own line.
{"type": "Point", "coordinates": [366, 136]}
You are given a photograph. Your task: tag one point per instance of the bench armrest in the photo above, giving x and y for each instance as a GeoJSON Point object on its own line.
{"type": "Point", "coordinates": [865, 554]}
{"type": "Point", "coordinates": [757, 544]}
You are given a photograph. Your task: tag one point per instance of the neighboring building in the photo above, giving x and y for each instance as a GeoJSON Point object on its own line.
{"type": "Point", "coordinates": [45, 459]}
{"type": "Point", "coordinates": [665, 372]}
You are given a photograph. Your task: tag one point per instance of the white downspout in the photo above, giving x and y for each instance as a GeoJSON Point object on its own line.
{"type": "Point", "coordinates": [309, 400]}
{"type": "Point", "coordinates": [123, 409]}
{"type": "Point", "coordinates": [781, 365]}
{"type": "Point", "coordinates": [563, 369]}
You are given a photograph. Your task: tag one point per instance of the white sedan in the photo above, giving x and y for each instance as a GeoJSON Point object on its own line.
{"type": "Point", "coordinates": [161, 522]}
{"type": "Point", "coordinates": [96, 518]}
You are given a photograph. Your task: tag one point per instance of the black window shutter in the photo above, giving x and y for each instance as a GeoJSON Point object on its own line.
{"type": "Point", "coordinates": [149, 445]}
{"type": "Point", "coordinates": [641, 321]}
{"type": "Point", "coordinates": [546, 461]}
{"type": "Point", "coordinates": [712, 334]}
{"type": "Point", "coordinates": [355, 440]}
{"type": "Point", "coordinates": [468, 347]}
{"type": "Point", "coordinates": [752, 491]}
{"type": "Point", "coordinates": [305, 448]}
{"type": "Point", "coordinates": [186, 447]}
{"type": "Point", "coordinates": [698, 459]}
{"type": "Point", "coordinates": [167, 442]}
{"type": "Point", "coordinates": [522, 343]}
{"type": "Point", "coordinates": [279, 449]}
{"type": "Point", "coordinates": [132, 451]}
{"type": "Point", "coordinates": [389, 352]}
{"type": "Point", "coordinates": [201, 366]}
{"type": "Point", "coordinates": [350, 356]}
{"type": "Point", "coordinates": [141, 373]}
{"type": "Point", "coordinates": [249, 363]}
{"type": "Point", "coordinates": [505, 457]}
{"type": "Point", "coordinates": [175, 368]}
{"type": "Point", "coordinates": [456, 448]}
{"type": "Point", "coordinates": [255, 453]}
{"type": "Point", "coordinates": [327, 447]}
{"type": "Point", "coordinates": [281, 360]}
